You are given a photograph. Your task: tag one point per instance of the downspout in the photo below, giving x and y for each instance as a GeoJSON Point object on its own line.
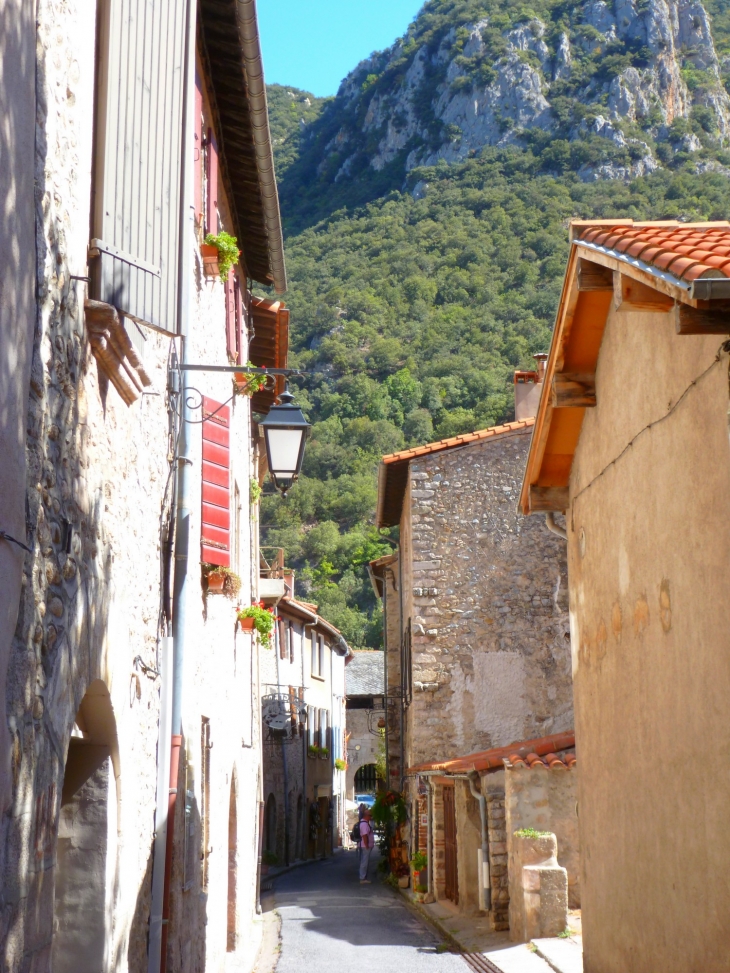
{"type": "Point", "coordinates": [302, 850]}
{"type": "Point", "coordinates": [555, 528]}
{"type": "Point", "coordinates": [171, 708]}
{"type": "Point", "coordinates": [486, 888]}
{"type": "Point", "coordinates": [249, 37]}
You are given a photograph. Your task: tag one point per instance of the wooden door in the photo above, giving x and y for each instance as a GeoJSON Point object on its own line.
{"type": "Point", "coordinates": [451, 876]}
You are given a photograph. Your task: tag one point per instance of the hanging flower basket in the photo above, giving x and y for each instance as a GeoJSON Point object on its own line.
{"type": "Point", "coordinates": [215, 582]}
{"type": "Point", "coordinates": [246, 624]}
{"type": "Point", "coordinates": [263, 621]}
{"type": "Point", "coordinates": [248, 383]}
{"type": "Point", "coordinates": [220, 580]}
{"type": "Point", "coordinates": [211, 267]}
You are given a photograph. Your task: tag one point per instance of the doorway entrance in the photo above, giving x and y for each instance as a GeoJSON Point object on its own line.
{"type": "Point", "coordinates": [451, 890]}
{"type": "Point", "coordinates": [87, 841]}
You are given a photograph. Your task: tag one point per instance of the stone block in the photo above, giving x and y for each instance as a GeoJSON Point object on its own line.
{"type": "Point", "coordinates": [538, 888]}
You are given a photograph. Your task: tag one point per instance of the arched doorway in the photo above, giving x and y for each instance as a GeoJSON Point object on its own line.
{"type": "Point", "coordinates": [85, 874]}
{"type": "Point", "coordinates": [232, 866]}
{"type": "Point", "coordinates": [270, 825]}
{"type": "Point", "coordinates": [366, 779]}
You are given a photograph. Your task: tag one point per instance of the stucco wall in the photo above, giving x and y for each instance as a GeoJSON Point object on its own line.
{"type": "Point", "coordinates": [547, 800]}
{"type": "Point", "coordinates": [491, 653]}
{"type": "Point", "coordinates": [648, 552]}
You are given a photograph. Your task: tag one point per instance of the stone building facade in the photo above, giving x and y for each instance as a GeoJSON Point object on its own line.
{"type": "Point", "coordinates": [365, 685]}
{"type": "Point", "coordinates": [477, 625]}
{"type": "Point", "coordinates": [90, 692]}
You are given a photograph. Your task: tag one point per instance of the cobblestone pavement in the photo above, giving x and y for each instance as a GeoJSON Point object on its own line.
{"type": "Point", "coordinates": [331, 923]}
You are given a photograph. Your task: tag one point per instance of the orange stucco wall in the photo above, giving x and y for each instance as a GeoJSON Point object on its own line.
{"type": "Point", "coordinates": [649, 538]}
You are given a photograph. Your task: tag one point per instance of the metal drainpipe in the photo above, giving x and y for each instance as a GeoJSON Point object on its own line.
{"type": "Point", "coordinates": [430, 838]}
{"type": "Point", "coordinates": [160, 909]}
{"type": "Point", "coordinates": [555, 528]}
{"type": "Point", "coordinates": [484, 877]}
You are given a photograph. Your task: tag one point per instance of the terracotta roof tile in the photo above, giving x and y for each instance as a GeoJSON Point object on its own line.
{"type": "Point", "coordinates": [687, 252]}
{"type": "Point", "coordinates": [463, 440]}
{"type": "Point", "coordinates": [551, 761]}
{"type": "Point", "coordinates": [522, 753]}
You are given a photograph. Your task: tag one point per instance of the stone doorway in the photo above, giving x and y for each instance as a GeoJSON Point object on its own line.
{"type": "Point", "coordinates": [85, 873]}
{"type": "Point", "coordinates": [451, 881]}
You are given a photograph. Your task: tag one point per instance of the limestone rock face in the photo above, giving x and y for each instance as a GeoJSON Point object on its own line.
{"type": "Point", "coordinates": [625, 67]}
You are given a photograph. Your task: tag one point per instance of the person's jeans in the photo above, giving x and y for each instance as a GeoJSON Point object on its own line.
{"type": "Point", "coordinates": [364, 862]}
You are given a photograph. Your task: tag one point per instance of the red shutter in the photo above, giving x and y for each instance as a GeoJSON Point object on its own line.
{"type": "Point", "coordinates": [198, 156]}
{"type": "Point", "coordinates": [211, 222]}
{"type": "Point", "coordinates": [231, 315]}
{"type": "Point", "coordinates": [239, 322]}
{"type": "Point", "coordinates": [216, 517]}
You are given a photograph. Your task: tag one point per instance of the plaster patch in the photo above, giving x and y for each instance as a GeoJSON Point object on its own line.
{"type": "Point", "coordinates": [500, 709]}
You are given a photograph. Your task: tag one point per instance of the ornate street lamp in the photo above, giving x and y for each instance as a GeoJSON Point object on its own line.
{"type": "Point", "coordinates": [285, 431]}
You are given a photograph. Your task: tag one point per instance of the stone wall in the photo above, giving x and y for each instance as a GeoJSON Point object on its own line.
{"type": "Point", "coordinates": [88, 627]}
{"type": "Point", "coordinates": [488, 605]}
{"type": "Point", "coordinates": [546, 799]}
{"type": "Point", "coordinates": [493, 786]}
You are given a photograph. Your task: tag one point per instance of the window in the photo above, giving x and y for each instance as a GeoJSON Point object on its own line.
{"type": "Point", "coordinates": [311, 727]}
{"type": "Point", "coordinates": [315, 653]}
{"type": "Point", "coordinates": [321, 656]}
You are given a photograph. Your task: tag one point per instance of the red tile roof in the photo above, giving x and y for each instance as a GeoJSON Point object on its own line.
{"type": "Point", "coordinates": [551, 761]}
{"type": "Point", "coordinates": [464, 439]}
{"type": "Point", "coordinates": [393, 472]}
{"type": "Point", "coordinates": [485, 760]}
{"type": "Point", "coordinates": [686, 251]}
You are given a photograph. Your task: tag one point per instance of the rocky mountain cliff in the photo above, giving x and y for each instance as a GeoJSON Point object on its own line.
{"type": "Point", "coordinates": [605, 89]}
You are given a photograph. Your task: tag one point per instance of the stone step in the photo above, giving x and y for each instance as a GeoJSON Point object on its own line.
{"type": "Point", "coordinates": [510, 959]}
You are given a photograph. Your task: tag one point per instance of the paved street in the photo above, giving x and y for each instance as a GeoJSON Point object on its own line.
{"type": "Point", "coordinates": [329, 922]}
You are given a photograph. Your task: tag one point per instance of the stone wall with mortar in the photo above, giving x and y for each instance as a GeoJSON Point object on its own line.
{"type": "Point", "coordinates": [97, 471]}
{"type": "Point", "coordinates": [488, 606]}
{"type": "Point", "coordinates": [546, 799]}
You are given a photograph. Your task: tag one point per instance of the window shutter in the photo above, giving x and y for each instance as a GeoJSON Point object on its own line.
{"type": "Point", "coordinates": [216, 515]}
{"type": "Point", "coordinates": [211, 156]}
{"type": "Point", "coordinates": [282, 639]}
{"type": "Point", "coordinates": [136, 184]}
{"type": "Point", "coordinates": [240, 321]}
{"type": "Point", "coordinates": [310, 725]}
{"type": "Point", "coordinates": [198, 156]}
{"type": "Point", "coordinates": [231, 316]}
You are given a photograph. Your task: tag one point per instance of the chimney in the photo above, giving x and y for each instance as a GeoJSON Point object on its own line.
{"type": "Point", "coordinates": [288, 577]}
{"type": "Point", "coordinates": [528, 389]}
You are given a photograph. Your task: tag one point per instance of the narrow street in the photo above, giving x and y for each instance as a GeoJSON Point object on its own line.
{"type": "Point", "coordinates": [330, 922]}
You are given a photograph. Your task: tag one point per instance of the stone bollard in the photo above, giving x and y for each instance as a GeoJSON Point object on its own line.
{"type": "Point", "coordinates": [538, 887]}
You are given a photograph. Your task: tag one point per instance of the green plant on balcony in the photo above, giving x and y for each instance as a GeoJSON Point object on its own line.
{"type": "Point", "coordinates": [228, 252]}
{"type": "Point", "coordinates": [313, 750]}
{"type": "Point", "coordinates": [263, 621]}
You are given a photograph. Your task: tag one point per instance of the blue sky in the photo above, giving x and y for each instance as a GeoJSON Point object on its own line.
{"type": "Point", "coordinates": [313, 44]}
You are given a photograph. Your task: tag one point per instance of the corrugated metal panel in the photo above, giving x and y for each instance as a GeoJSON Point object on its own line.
{"type": "Point", "coordinates": [215, 531]}
{"type": "Point", "coordinates": [135, 238]}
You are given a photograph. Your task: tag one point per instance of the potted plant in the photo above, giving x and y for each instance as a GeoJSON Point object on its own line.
{"type": "Point", "coordinates": [313, 750]}
{"type": "Point", "coordinates": [340, 764]}
{"type": "Point", "coordinates": [219, 252]}
{"type": "Point", "coordinates": [324, 753]}
{"type": "Point", "coordinates": [403, 873]}
{"type": "Point", "coordinates": [260, 618]}
{"type": "Point", "coordinates": [248, 383]}
{"type": "Point", "coordinates": [221, 580]}
{"type": "Point", "coordinates": [419, 864]}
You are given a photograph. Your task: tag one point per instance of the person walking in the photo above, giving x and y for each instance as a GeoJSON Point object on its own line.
{"type": "Point", "coordinates": [367, 843]}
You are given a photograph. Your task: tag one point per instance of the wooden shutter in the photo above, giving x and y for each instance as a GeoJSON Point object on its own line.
{"type": "Point", "coordinates": [198, 151]}
{"type": "Point", "coordinates": [240, 326]}
{"type": "Point", "coordinates": [136, 186]}
{"type": "Point", "coordinates": [211, 196]}
{"type": "Point", "coordinates": [282, 639]}
{"type": "Point", "coordinates": [216, 516]}
{"type": "Point", "coordinates": [231, 315]}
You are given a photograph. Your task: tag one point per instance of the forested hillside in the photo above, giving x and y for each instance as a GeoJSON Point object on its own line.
{"type": "Point", "coordinates": [417, 289]}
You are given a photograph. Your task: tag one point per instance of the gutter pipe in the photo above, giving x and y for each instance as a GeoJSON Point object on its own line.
{"type": "Point", "coordinates": [249, 36]}
{"type": "Point", "coordinates": [554, 527]}
{"type": "Point", "coordinates": [486, 887]}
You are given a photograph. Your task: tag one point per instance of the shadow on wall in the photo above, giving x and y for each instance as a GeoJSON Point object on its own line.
{"type": "Point", "coordinates": [58, 645]}
{"type": "Point", "coordinates": [17, 319]}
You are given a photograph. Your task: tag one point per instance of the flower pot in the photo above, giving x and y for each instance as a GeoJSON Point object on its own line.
{"type": "Point", "coordinates": [403, 881]}
{"type": "Point", "coordinates": [216, 580]}
{"type": "Point", "coordinates": [246, 624]}
{"type": "Point", "coordinates": [209, 253]}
